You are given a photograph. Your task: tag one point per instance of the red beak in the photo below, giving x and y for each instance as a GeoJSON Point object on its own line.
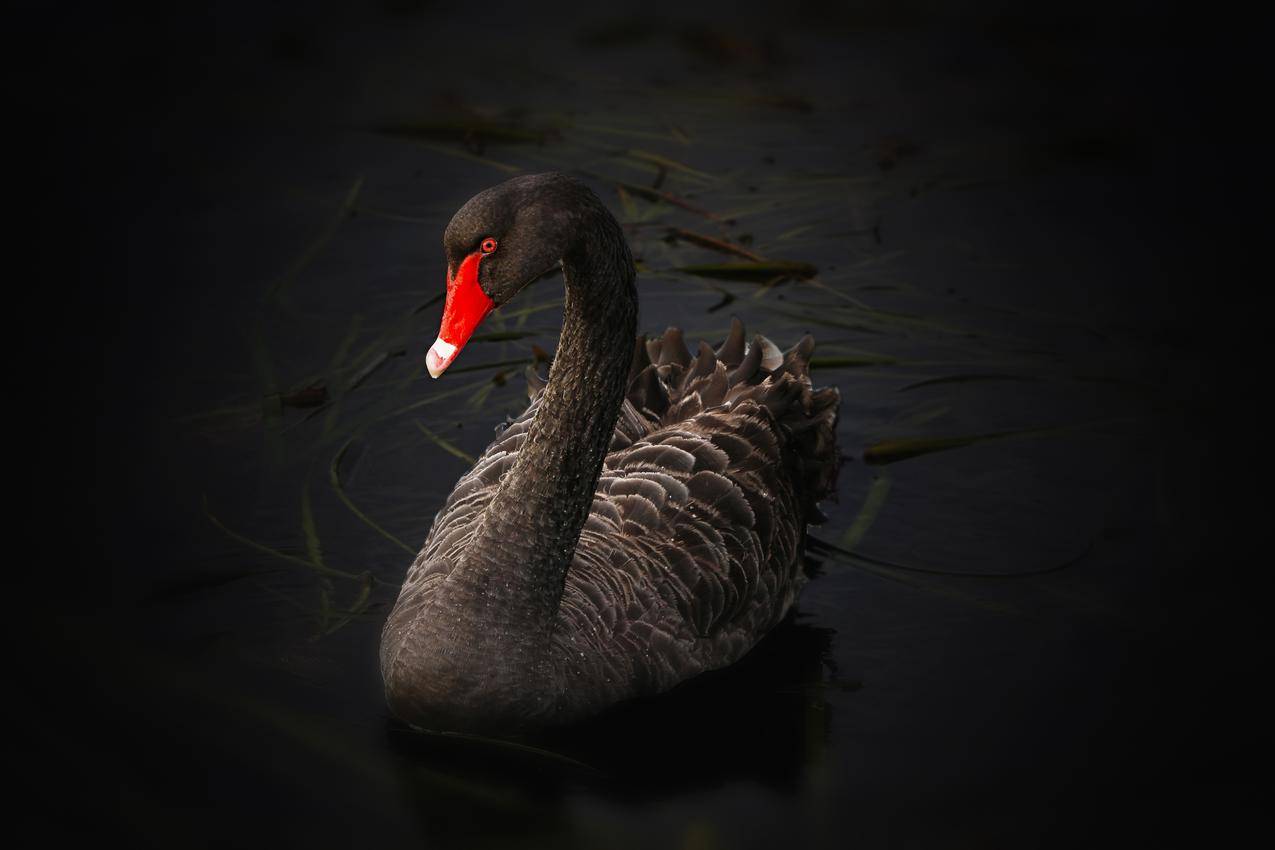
{"type": "Point", "coordinates": [466, 306]}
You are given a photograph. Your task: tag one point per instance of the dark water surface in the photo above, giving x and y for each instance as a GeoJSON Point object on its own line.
{"type": "Point", "coordinates": [1025, 645]}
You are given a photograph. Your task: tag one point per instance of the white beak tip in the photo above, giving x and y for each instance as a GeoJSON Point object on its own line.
{"type": "Point", "coordinates": [439, 357]}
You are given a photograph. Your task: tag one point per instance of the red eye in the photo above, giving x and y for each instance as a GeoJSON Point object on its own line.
{"type": "Point", "coordinates": [488, 245]}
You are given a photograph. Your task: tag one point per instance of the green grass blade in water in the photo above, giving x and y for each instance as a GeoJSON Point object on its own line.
{"type": "Point", "coordinates": [667, 163]}
{"type": "Point", "coordinates": [313, 549]}
{"type": "Point", "coordinates": [851, 362]}
{"type": "Point", "coordinates": [872, 505]}
{"type": "Point", "coordinates": [906, 448]}
{"type": "Point", "coordinates": [967, 379]}
{"type": "Point", "coordinates": [447, 445]}
{"type": "Point", "coordinates": [753, 272]}
{"type": "Point", "coordinates": [269, 550]}
{"type": "Point", "coordinates": [334, 476]}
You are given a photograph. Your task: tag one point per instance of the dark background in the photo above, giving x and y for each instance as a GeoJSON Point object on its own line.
{"type": "Point", "coordinates": [167, 166]}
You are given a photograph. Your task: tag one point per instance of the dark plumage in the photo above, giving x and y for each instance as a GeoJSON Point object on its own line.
{"type": "Point", "coordinates": [641, 522]}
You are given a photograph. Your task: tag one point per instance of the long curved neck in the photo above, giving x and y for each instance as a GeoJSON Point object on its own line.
{"type": "Point", "coordinates": [511, 580]}
{"type": "Point", "coordinates": [533, 522]}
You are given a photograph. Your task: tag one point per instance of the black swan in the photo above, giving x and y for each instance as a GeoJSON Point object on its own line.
{"type": "Point", "coordinates": [641, 522]}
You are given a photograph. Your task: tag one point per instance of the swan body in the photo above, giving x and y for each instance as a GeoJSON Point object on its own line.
{"type": "Point", "coordinates": [640, 523]}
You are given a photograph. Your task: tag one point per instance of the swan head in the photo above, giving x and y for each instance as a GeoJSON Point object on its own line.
{"type": "Point", "coordinates": [501, 240]}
